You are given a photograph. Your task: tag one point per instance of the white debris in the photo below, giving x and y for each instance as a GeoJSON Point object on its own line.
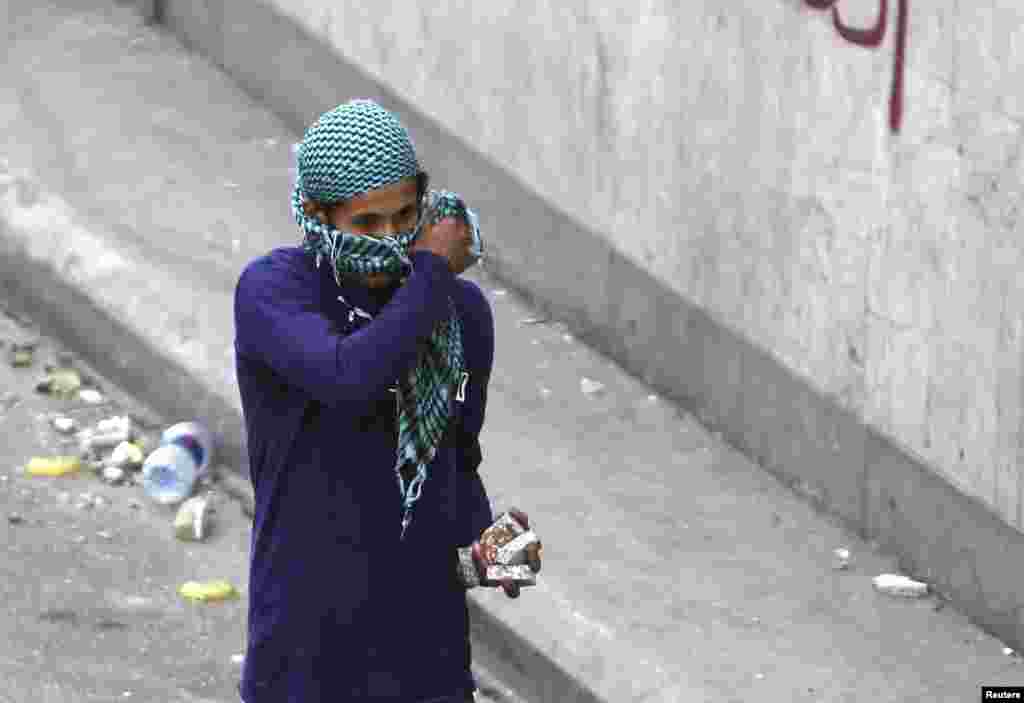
{"type": "Point", "coordinates": [190, 523]}
{"type": "Point", "coordinates": [589, 386]}
{"type": "Point", "coordinates": [897, 585]}
{"type": "Point", "coordinates": [104, 534]}
{"type": "Point", "coordinates": [66, 425]}
{"type": "Point", "coordinates": [545, 392]}
{"type": "Point", "coordinates": [121, 423]}
{"type": "Point", "coordinates": [1008, 652]}
{"type": "Point", "coordinates": [842, 558]}
{"type": "Point", "coordinates": [499, 291]}
{"type": "Point", "coordinates": [125, 455]}
{"type": "Point", "coordinates": [99, 501]}
{"type": "Point", "coordinates": [90, 396]}
{"type": "Point", "coordinates": [567, 337]}
{"type": "Point", "coordinates": [237, 658]}
{"type": "Point", "coordinates": [113, 474]}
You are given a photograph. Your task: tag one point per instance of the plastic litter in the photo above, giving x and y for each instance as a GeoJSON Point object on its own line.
{"type": "Point", "coordinates": [126, 455]}
{"type": "Point", "coordinates": [534, 320]}
{"type": "Point", "coordinates": [208, 591]}
{"type": "Point", "coordinates": [108, 434]}
{"type": "Point", "coordinates": [169, 474]}
{"type": "Point", "coordinates": [897, 585]}
{"type": "Point", "coordinates": [191, 522]}
{"type": "Point", "coordinates": [65, 425]}
{"type": "Point", "coordinates": [90, 396]}
{"type": "Point", "coordinates": [841, 559]}
{"type": "Point", "coordinates": [113, 474]}
{"type": "Point", "coordinates": [53, 466]}
{"type": "Point", "coordinates": [196, 439]}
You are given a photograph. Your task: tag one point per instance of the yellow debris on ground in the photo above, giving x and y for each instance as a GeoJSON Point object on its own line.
{"type": "Point", "coordinates": [53, 466]}
{"type": "Point", "coordinates": [209, 591]}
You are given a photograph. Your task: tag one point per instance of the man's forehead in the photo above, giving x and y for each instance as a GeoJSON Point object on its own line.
{"type": "Point", "coordinates": [391, 197]}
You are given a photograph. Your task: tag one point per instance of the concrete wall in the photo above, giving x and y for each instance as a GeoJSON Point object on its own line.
{"type": "Point", "coordinates": [744, 158]}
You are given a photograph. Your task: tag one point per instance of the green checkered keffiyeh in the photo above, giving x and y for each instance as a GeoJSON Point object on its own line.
{"type": "Point", "coordinates": [355, 148]}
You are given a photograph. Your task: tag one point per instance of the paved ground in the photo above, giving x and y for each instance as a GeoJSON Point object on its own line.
{"type": "Point", "coordinates": [675, 570]}
{"type": "Point", "coordinates": [91, 609]}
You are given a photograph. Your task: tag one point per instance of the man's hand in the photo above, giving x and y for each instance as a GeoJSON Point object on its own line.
{"type": "Point", "coordinates": [510, 587]}
{"type": "Point", "coordinates": [449, 238]}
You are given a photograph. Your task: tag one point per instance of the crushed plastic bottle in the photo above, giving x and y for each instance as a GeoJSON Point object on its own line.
{"type": "Point", "coordinates": [169, 474]}
{"type": "Point", "coordinates": [194, 438]}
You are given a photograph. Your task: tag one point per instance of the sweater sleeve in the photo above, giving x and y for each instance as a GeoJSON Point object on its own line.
{"type": "Point", "coordinates": [278, 321]}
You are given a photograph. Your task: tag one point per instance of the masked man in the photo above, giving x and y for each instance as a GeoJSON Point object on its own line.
{"type": "Point", "coordinates": [363, 363]}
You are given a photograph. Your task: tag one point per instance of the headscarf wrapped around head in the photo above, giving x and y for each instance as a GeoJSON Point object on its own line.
{"type": "Point", "coordinates": [357, 147]}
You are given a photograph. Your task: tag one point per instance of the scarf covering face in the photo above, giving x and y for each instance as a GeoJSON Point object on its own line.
{"type": "Point", "coordinates": [355, 148]}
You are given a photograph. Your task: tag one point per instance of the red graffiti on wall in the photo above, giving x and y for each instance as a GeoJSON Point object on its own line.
{"type": "Point", "coordinates": [873, 37]}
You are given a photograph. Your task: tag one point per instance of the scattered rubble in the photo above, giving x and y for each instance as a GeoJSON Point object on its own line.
{"type": "Point", "coordinates": [126, 455]}
{"type": "Point", "coordinates": [208, 591]}
{"type": "Point", "coordinates": [65, 425]}
{"type": "Point", "coordinates": [60, 382]}
{"type": "Point", "coordinates": [113, 475]}
{"type": "Point", "coordinates": [20, 354]}
{"type": "Point", "coordinates": [191, 524]}
{"type": "Point", "coordinates": [901, 586]}
{"type": "Point", "coordinates": [53, 466]}
{"type": "Point", "coordinates": [90, 396]}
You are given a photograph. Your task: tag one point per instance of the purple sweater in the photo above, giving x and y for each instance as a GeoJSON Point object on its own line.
{"type": "Point", "coordinates": [339, 608]}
